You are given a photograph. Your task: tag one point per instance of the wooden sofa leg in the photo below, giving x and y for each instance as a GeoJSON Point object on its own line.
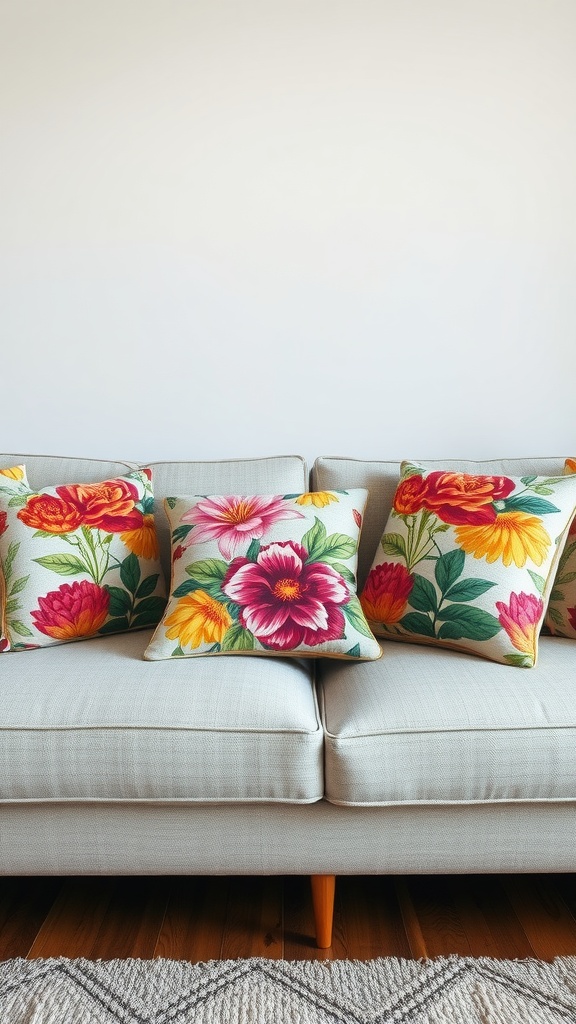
{"type": "Point", "coordinates": [323, 888]}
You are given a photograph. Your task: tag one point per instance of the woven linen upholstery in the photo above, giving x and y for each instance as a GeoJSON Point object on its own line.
{"type": "Point", "coordinates": [53, 470]}
{"type": "Point", "coordinates": [128, 838]}
{"type": "Point", "coordinates": [381, 479]}
{"type": "Point", "coordinates": [426, 725]}
{"type": "Point", "coordinates": [275, 475]}
{"type": "Point", "coordinates": [93, 721]}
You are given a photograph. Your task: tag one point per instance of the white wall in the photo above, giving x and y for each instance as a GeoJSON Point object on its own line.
{"type": "Point", "coordinates": [316, 226]}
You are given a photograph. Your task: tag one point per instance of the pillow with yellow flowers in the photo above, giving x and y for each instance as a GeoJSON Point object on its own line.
{"type": "Point", "coordinates": [100, 537]}
{"type": "Point", "coordinates": [12, 473]}
{"type": "Point", "coordinates": [561, 613]}
{"type": "Point", "coordinates": [265, 574]}
{"type": "Point", "coordinates": [467, 561]}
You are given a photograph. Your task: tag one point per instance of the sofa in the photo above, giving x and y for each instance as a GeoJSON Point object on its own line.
{"type": "Point", "coordinates": [427, 760]}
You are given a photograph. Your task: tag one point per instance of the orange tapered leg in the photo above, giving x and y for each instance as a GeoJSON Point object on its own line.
{"type": "Point", "coordinates": [323, 888]}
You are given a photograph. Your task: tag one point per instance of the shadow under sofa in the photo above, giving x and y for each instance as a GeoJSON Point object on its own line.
{"type": "Point", "coordinates": [426, 761]}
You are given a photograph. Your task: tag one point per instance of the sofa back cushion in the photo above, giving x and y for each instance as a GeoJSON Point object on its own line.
{"type": "Point", "coordinates": [275, 475]}
{"type": "Point", "coordinates": [381, 479]}
{"type": "Point", "coordinates": [54, 470]}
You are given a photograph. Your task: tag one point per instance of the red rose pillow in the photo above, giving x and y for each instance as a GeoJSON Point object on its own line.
{"type": "Point", "coordinates": [78, 560]}
{"type": "Point", "coordinates": [468, 561]}
{"type": "Point", "coordinates": [18, 474]}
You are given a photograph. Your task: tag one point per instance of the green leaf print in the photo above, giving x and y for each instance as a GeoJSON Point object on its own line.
{"type": "Point", "coordinates": [468, 590]}
{"type": "Point", "coordinates": [415, 622]}
{"type": "Point", "coordinates": [208, 570]}
{"type": "Point", "coordinates": [474, 623]}
{"type": "Point", "coordinates": [423, 596]}
{"type": "Point", "coordinates": [116, 625]}
{"type": "Point", "coordinates": [321, 548]}
{"type": "Point", "coordinates": [130, 573]}
{"type": "Point", "coordinates": [180, 533]}
{"type": "Point", "coordinates": [148, 585]}
{"type": "Point", "coordinates": [556, 617]}
{"type": "Point", "coordinates": [336, 546]}
{"type": "Point", "coordinates": [534, 506]}
{"type": "Point", "coordinates": [19, 627]}
{"type": "Point", "coordinates": [448, 568]}
{"type": "Point", "coordinates": [120, 601]}
{"type": "Point", "coordinates": [236, 638]}
{"type": "Point", "coordinates": [355, 615]}
{"type": "Point", "coordinates": [393, 544]}
{"type": "Point", "coordinates": [8, 561]}
{"type": "Point", "coordinates": [18, 585]}
{"type": "Point", "coordinates": [314, 539]}
{"type": "Point", "coordinates": [188, 587]}
{"type": "Point", "coordinates": [64, 565]}
{"type": "Point", "coordinates": [354, 652]}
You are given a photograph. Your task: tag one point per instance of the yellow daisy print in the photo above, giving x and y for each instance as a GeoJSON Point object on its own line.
{"type": "Point", "coordinates": [513, 536]}
{"type": "Point", "coordinates": [198, 619]}
{"type": "Point", "coordinates": [317, 498]}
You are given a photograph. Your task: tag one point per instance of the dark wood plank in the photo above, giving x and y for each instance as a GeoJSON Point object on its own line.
{"type": "Point", "coordinates": [566, 886]}
{"type": "Point", "coordinates": [132, 922]}
{"type": "Point", "coordinates": [488, 919]}
{"type": "Point", "coordinates": [372, 919]}
{"type": "Point", "coordinates": [253, 924]}
{"type": "Point", "coordinates": [193, 926]}
{"type": "Point", "coordinates": [412, 926]}
{"type": "Point", "coordinates": [545, 917]}
{"type": "Point", "coordinates": [438, 922]}
{"type": "Point", "coordinates": [74, 919]}
{"type": "Point", "coordinates": [24, 904]}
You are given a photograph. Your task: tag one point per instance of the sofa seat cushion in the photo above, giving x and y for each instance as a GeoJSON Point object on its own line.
{"type": "Point", "coordinates": [432, 726]}
{"type": "Point", "coordinates": [93, 721]}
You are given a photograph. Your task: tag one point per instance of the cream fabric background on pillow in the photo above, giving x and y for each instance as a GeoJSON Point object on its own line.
{"type": "Point", "coordinates": [265, 574]}
{"type": "Point", "coordinates": [561, 614]}
{"type": "Point", "coordinates": [468, 561]}
{"type": "Point", "coordinates": [18, 474]}
{"type": "Point", "coordinates": [101, 538]}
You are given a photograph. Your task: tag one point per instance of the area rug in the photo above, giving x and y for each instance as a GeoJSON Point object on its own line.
{"type": "Point", "coordinates": [459, 990]}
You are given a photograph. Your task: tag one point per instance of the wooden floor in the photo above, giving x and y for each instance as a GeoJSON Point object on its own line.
{"type": "Point", "coordinates": [505, 916]}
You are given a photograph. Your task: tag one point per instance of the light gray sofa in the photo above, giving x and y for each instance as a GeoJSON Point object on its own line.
{"type": "Point", "coordinates": [425, 761]}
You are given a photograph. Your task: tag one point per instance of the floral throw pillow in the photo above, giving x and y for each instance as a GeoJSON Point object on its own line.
{"type": "Point", "coordinates": [100, 538]}
{"type": "Point", "coordinates": [468, 561]}
{"type": "Point", "coordinates": [265, 574]}
{"type": "Point", "coordinates": [11, 473]}
{"type": "Point", "coordinates": [561, 613]}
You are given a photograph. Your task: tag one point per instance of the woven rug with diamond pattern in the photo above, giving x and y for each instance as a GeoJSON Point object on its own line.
{"type": "Point", "coordinates": [459, 990]}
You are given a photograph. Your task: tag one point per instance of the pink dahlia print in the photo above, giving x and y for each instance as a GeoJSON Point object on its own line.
{"type": "Point", "coordinates": [285, 602]}
{"type": "Point", "coordinates": [75, 610]}
{"type": "Point", "coordinates": [233, 521]}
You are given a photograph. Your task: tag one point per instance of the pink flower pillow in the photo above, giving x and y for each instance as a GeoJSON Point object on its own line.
{"type": "Point", "coordinates": [265, 574]}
